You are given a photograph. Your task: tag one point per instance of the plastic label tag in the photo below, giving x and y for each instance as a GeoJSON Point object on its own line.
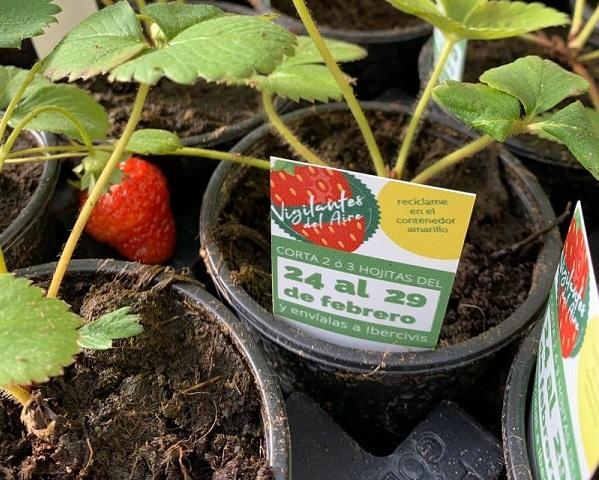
{"type": "Point", "coordinates": [73, 13]}
{"type": "Point", "coordinates": [364, 261]}
{"type": "Point", "coordinates": [454, 68]}
{"type": "Point", "coordinates": [565, 403]}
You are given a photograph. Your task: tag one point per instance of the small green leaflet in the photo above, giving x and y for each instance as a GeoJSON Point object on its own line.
{"type": "Point", "coordinates": [539, 84]}
{"type": "Point", "coordinates": [99, 334]}
{"type": "Point", "coordinates": [11, 78]}
{"type": "Point", "coordinates": [23, 19]}
{"type": "Point", "coordinates": [38, 335]}
{"type": "Point", "coordinates": [90, 168]}
{"type": "Point", "coordinates": [76, 101]}
{"type": "Point", "coordinates": [100, 43]}
{"type": "Point", "coordinates": [483, 19]}
{"type": "Point", "coordinates": [573, 127]}
{"type": "Point", "coordinates": [479, 106]}
{"type": "Point", "coordinates": [229, 48]}
{"type": "Point", "coordinates": [303, 76]}
{"type": "Point", "coordinates": [173, 18]}
{"type": "Point", "coordinates": [153, 141]}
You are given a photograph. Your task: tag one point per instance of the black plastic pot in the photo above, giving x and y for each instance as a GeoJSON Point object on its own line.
{"type": "Point", "coordinates": [276, 430]}
{"type": "Point", "coordinates": [392, 54]}
{"type": "Point", "coordinates": [370, 390]}
{"type": "Point", "coordinates": [23, 241]}
{"type": "Point", "coordinates": [561, 176]}
{"type": "Point", "coordinates": [516, 400]}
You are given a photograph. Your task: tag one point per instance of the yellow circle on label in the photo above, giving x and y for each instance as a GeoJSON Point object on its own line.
{"type": "Point", "coordinates": [426, 221]}
{"type": "Point", "coordinates": [588, 393]}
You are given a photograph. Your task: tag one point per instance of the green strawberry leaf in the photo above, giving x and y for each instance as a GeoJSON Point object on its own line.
{"type": "Point", "coordinates": [229, 48]}
{"type": "Point", "coordinates": [99, 334]}
{"type": "Point", "coordinates": [11, 78]}
{"type": "Point", "coordinates": [539, 84]}
{"type": "Point", "coordinates": [24, 19]}
{"type": "Point", "coordinates": [153, 141]}
{"type": "Point", "coordinates": [303, 76]}
{"type": "Point", "coordinates": [173, 18]}
{"type": "Point", "coordinates": [76, 101]}
{"type": "Point", "coordinates": [101, 42]}
{"type": "Point", "coordinates": [483, 19]}
{"type": "Point", "coordinates": [307, 53]}
{"type": "Point", "coordinates": [301, 82]}
{"type": "Point", "coordinates": [572, 127]}
{"type": "Point", "coordinates": [479, 106]}
{"type": "Point", "coordinates": [38, 335]}
{"type": "Point", "coordinates": [594, 118]}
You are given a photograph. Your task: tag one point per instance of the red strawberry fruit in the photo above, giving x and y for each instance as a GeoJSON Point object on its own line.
{"type": "Point", "coordinates": [135, 216]}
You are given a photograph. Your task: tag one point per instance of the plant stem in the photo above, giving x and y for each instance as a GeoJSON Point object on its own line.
{"type": "Point", "coordinates": [421, 107]}
{"type": "Point", "coordinates": [3, 268]}
{"type": "Point", "coordinates": [107, 3]}
{"type": "Point", "coordinates": [6, 147]}
{"type": "Point", "coordinates": [57, 148]}
{"type": "Point", "coordinates": [581, 39]}
{"type": "Point", "coordinates": [17, 393]}
{"type": "Point", "coordinates": [286, 133]}
{"type": "Point", "coordinates": [577, 18]}
{"type": "Point", "coordinates": [44, 158]}
{"type": "Point", "coordinates": [589, 57]}
{"type": "Point", "coordinates": [345, 87]}
{"type": "Point", "coordinates": [453, 158]}
{"type": "Point", "coordinates": [17, 98]}
{"type": "Point", "coordinates": [97, 191]}
{"type": "Point", "coordinates": [226, 156]}
{"type": "Point", "coordinates": [581, 70]}
{"type": "Point", "coordinates": [141, 4]}
{"type": "Point", "coordinates": [537, 39]}
{"type": "Point", "coordinates": [142, 17]}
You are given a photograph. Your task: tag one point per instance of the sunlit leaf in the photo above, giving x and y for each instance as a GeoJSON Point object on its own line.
{"type": "Point", "coordinates": [479, 106]}
{"type": "Point", "coordinates": [38, 335]}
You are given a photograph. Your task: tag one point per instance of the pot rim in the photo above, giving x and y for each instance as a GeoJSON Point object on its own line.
{"type": "Point", "coordinates": [39, 199]}
{"type": "Point", "coordinates": [363, 37]}
{"type": "Point", "coordinates": [334, 356]}
{"type": "Point", "coordinates": [274, 417]}
{"type": "Point", "coordinates": [515, 407]}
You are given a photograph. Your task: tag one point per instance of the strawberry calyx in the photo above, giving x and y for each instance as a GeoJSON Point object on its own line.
{"type": "Point", "coordinates": [90, 169]}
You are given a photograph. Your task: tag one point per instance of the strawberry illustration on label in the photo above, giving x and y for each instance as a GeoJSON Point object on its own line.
{"type": "Point", "coordinates": [573, 291]}
{"type": "Point", "coordinates": [326, 207]}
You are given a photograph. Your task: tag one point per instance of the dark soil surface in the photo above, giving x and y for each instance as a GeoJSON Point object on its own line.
{"type": "Point", "coordinates": [187, 110]}
{"type": "Point", "coordinates": [486, 290]}
{"type": "Point", "coordinates": [357, 15]}
{"type": "Point", "coordinates": [17, 184]}
{"type": "Point", "coordinates": [176, 402]}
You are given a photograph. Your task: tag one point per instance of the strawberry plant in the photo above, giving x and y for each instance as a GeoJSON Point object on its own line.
{"type": "Point", "coordinates": [510, 100]}
{"type": "Point", "coordinates": [39, 336]}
